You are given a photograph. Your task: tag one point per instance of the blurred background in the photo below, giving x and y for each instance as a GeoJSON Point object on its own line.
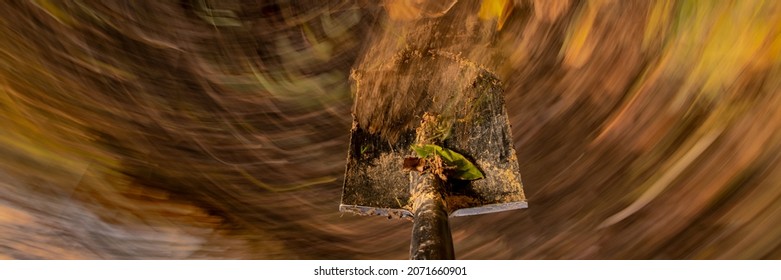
{"type": "Point", "coordinates": [219, 129]}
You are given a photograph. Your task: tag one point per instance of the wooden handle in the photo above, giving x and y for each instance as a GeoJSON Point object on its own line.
{"type": "Point", "coordinates": [431, 239]}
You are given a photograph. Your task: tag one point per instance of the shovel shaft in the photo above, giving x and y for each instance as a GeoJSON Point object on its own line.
{"type": "Point", "coordinates": [431, 238]}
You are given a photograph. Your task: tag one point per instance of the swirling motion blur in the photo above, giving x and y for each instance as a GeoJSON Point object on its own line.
{"type": "Point", "coordinates": [219, 129]}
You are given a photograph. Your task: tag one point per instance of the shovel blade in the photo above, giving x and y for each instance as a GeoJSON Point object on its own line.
{"type": "Point", "coordinates": [376, 183]}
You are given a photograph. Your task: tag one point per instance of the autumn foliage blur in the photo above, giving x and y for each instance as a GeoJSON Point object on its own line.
{"type": "Point", "coordinates": [218, 129]}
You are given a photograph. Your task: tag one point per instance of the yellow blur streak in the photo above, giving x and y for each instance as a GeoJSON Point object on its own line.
{"type": "Point", "coordinates": [496, 9]}
{"type": "Point", "coordinates": [577, 47]}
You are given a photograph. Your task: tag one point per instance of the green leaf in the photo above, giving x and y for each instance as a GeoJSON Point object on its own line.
{"type": "Point", "coordinates": [424, 151]}
{"type": "Point", "coordinates": [464, 169]}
